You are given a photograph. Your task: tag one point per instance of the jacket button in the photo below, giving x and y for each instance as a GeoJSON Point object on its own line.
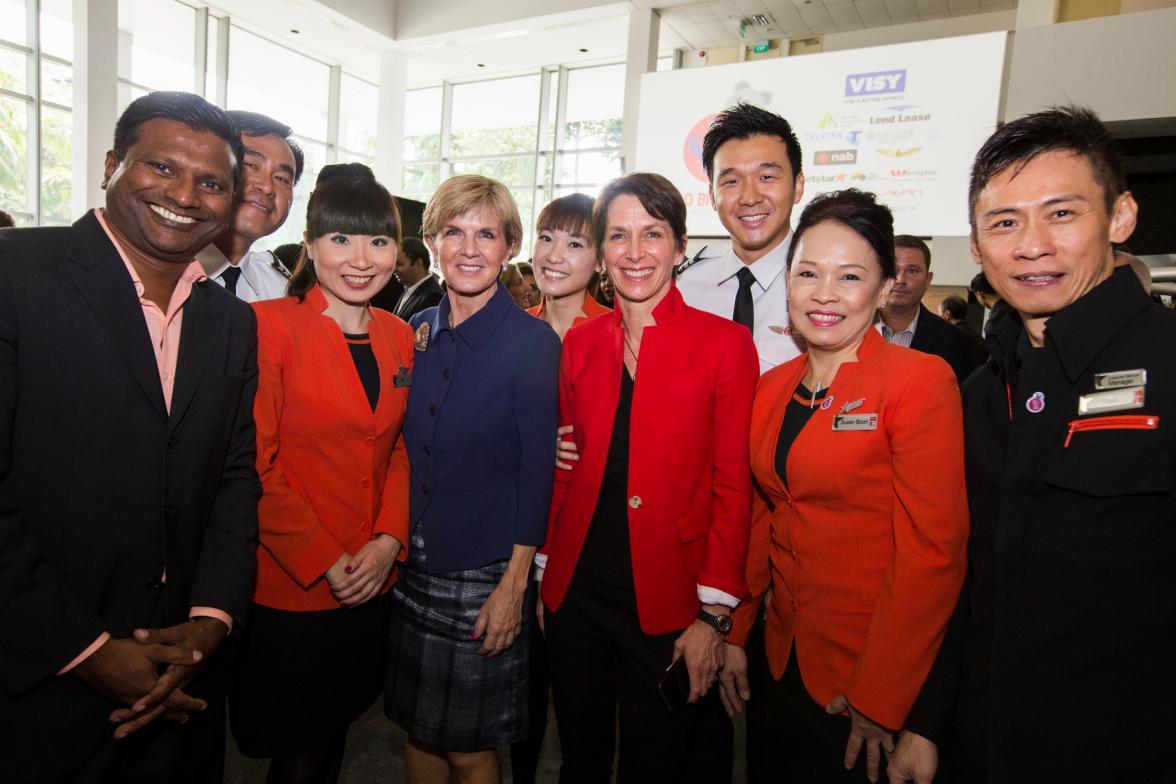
{"type": "Point", "coordinates": [427, 449]}
{"type": "Point", "coordinates": [365, 482]}
{"type": "Point", "coordinates": [169, 511]}
{"type": "Point", "coordinates": [172, 441]}
{"type": "Point", "coordinates": [445, 374]}
{"type": "Point", "coordinates": [425, 488]}
{"type": "Point", "coordinates": [635, 502]}
{"type": "Point", "coordinates": [369, 441]}
{"type": "Point", "coordinates": [433, 409]}
{"type": "Point", "coordinates": [153, 583]}
{"type": "Point", "coordinates": [365, 525]}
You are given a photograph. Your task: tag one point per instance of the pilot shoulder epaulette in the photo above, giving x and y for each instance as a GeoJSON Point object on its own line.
{"type": "Point", "coordinates": [697, 258]}
{"type": "Point", "coordinates": [277, 264]}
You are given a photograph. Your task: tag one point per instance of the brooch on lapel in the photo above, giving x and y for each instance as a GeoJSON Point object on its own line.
{"type": "Point", "coordinates": [403, 377]}
{"type": "Point", "coordinates": [781, 330]}
{"type": "Point", "coordinates": [421, 338]}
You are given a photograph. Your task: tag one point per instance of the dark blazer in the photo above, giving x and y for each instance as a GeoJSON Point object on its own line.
{"type": "Point", "coordinates": [1070, 604]}
{"type": "Point", "coordinates": [689, 478]}
{"type": "Point", "coordinates": [480, 432]}
{"type": "Point", "coordinates": [101, 489]}
{"type": "Point", "coordinates": [427, 295]}
{"type": "Point", "coordinates": [934, 335]}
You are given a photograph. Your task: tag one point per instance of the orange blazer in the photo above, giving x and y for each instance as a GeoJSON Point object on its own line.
{"type": "Point", "coordinates": [689, 479]}
{"type": "Point", "coordinates": [333, 473]}
{"type": "Point", "coordinates": [864, 550]}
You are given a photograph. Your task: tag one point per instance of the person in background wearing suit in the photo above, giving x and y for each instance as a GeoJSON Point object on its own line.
{"type": "Point", "coordinates": [270, 170]}
{"type": "Point", "coordinates": [480, 432]}
{"type": "Point", "coordinates": [986, 295]}
{"type": "Point", "coordinates": [905, 320]}
{"type": "Point", "coordinates": [647, 539]}
{"type": "Point", "coordinates": [855, 448]}
{"type": "Point", "coordinates": [128, 492]}
{"type": "Point", "coordinates": [333, 515]}
{"type": "Point", "coordinates": [421, 289]}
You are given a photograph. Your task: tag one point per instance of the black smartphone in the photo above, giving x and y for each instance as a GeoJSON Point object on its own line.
{"type": "Point", "coordinates": [674, 686]}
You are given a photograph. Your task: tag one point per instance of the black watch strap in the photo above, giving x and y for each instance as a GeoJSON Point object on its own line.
{"type": "Point", "coordinates": [720, 623]}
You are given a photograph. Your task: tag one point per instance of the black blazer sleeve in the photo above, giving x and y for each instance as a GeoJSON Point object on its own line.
{"type": "Point", "coordinates": [936, 336]}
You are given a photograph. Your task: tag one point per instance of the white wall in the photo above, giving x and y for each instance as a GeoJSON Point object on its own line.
{"type": "Point", "coordinates": [951, 260]}
{"type": "Point", "coordinates": [921, 31]}
{"type": "Point", "coordinates": [1120, 66]}
{"type": "Point", "coordinates": [418, 18]}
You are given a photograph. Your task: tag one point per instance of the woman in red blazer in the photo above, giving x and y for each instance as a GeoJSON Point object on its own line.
{"type": "Point", "coordinates": [647, 538]}
{"type": "Point", "coordinates": [333, 516]}
{"type": "Point", "coordinates": [861, 520]}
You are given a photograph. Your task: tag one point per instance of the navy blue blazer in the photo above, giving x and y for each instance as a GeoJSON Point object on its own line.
{"type": "Point", "coordinates": [480, 432]}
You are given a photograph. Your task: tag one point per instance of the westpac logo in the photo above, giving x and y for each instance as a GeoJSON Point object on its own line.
{"type": "Point", "coordinates": [876, 83]}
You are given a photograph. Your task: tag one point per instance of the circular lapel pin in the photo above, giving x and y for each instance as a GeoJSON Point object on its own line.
{"type": "Point", "coordinates": [1036, 403]}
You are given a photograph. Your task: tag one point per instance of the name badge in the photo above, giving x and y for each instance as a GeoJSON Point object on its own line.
{"type": "Point", "coordinates": [1111, 400]}
{"type": "Point", "coordinates": [842, 422]}
{"type": "Point", "coordinates": [1120, 379]}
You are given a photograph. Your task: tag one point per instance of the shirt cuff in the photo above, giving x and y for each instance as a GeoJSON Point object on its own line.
{"type": "Point", "coordinates": [540, 566]}
{"type": "Point", "coordinates": [211, 612]}
{"type": "Point", "coordinates": [715, 596]}
{"type": "Point", "coordinates": [81, 657]}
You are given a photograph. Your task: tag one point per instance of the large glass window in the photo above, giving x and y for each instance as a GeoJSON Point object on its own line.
{"type": "Point", "coordinates": [495, 117]}
{"type": "Point", "coordinates": [358, 111]}
{"type": "Point", "coordinates": [158, 42]}
{"type": "Point", "coordinates": [269, 78]}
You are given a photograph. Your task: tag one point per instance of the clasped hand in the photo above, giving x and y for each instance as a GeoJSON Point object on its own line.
{"type": "Point", "coordinates": [358, 579]}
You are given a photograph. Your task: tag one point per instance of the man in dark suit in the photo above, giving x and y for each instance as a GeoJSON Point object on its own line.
{"type": "Point", "coordinates": [421, 289]}
{"type": "Point", "coordinates": [128, 491]}
{"type": "Point", "coordinates": [907, 322]}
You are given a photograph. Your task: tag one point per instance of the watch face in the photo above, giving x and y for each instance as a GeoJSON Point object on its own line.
{"type": "Point", "coordinates": [723, 623]}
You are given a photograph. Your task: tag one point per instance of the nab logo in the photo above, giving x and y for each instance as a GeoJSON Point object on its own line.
{"type": "Point", "coordinates": [834, 157]}
{"type": "Point", "coordinates": [877, 83]}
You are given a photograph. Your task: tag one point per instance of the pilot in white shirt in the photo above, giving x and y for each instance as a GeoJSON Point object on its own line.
{"type": "Point", "coordinates": [261, 275]}
{"type": "Point", "coordinates": [710, 282]}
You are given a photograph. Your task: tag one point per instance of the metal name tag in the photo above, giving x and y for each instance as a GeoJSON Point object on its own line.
{"type": "Point", "coordinates": [855, 422]}
{"type": "Point", "coordinates": [1112, 400]}
{"type": "Point", "coordinates": [1120, 379]}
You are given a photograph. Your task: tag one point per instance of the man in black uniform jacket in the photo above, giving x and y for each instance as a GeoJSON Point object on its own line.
{"type": "Point", "coordinates": [1060, 658]}
{"type": "Point", "coordinates": [128, 491]}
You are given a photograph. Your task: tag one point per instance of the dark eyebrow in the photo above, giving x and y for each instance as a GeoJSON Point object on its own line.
{"type": "Point", "coordinates": [287, 168]}
{"type": "Point", "coordinates": [765, 165]}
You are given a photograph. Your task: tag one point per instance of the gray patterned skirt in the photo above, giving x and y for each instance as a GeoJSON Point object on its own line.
{"type": "Point", "coordinates": [438, 687]}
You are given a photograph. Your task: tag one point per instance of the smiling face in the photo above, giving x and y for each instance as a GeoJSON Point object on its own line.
{"type": "Point", "coordinates": [754, 190]}
{"type": "Point", "coordinates": [639, 251]}
{"type": "Point", "coordinates": [471, 250]}
{"type": "Point", "coordinates": [352, 268]}
{"type": "Point", "coordinates": [564, 263]}
{"type": "Point", "coordinates": [1043, 233]}
{"type": "Point", "coordinates": [835, 285]}
{"type": "Point", "coordinates": [267, 187]}
{"type": "Point", "coordinates": [172, 192]}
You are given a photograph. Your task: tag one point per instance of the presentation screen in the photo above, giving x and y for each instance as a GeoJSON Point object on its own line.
{"type": "Point", "coordinates": [903, 121]}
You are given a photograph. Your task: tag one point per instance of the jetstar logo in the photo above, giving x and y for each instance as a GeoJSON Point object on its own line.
{"type": "Point", "coordinates": [875, 83]}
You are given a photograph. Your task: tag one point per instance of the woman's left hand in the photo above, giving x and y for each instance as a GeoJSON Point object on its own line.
{"type": "Point", "coordinates": [501, 619]}
{"type": "Point", "coordinates": [876, 738]}
{"type": "Point", "coordinates": [367, 572]}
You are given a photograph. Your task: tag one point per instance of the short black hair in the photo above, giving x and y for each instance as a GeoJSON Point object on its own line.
{"type": "Point", "coordinates": [980, 285]}
{"type": "Point", "coordinates": [186, 108]}
{"type": "Point", "coordinates": [253, 124]}
{"type": "Point", "coordinates": [1071, 129]}
{"type": "Point", "coordinates": [858, 211]}
{"type": "Point", "coordinates": [911, 241]}
{"type": "Point", "coordinates": [346, 199]}
{"type": "Point", "coordinates": [955, 307]}
{"type": "Point", "coordinates": [742, 121]}
{"type": "Point", "coordinates": [415, 250]}
{"type": "Point", "coordinates": [6, 220]}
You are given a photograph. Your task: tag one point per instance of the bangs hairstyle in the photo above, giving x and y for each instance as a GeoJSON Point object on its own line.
{"type": "Point", "coordinates": [742, 121]}
{"type": "Point", "coordinates": [346, 200]}
{"type": "Point", "coordinates": [185, 108]}
{"type": "Point", "coordinates": [858, 211]}
{"type": "Point", "coordinates": [572, 214]}
{"type": "Point", "coordinates": [465, 192]}
{"type": "Point", "coordinates": [657, 195]}
{"type": "Point", "coordinates": [1070, 129]}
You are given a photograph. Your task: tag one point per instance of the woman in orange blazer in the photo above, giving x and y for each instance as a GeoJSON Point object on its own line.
{"type": "Point", "coordinates": [861, 520]}
{"type": "Point", "coordinates": [647, 538]}
{"type": "Point", "coordinates": [333, 516]}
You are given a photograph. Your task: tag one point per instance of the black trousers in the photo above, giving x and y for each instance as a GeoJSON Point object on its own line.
{"type": "Point", "coordinates": [524, 755]}
{"type": "Point", "coordinates": [808, 745]}
{"type": "Point", "coordinates": [604, 668]}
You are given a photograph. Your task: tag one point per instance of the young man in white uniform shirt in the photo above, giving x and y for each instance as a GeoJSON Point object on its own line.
{"type": "Point", "coordinates": [752, 158]}
{"type": "Point", "coordinates": [269, 171]}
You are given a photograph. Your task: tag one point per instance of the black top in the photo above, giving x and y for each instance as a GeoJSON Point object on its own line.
{"type": "Point", "coordinates": [365, 365]}
{"type": "Point", "coordinates": [796, 416]}
{"type": "Point", "coordinates": [606, 559]}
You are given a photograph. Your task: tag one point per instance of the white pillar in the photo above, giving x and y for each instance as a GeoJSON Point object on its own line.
{"type": "Point", "coordinates": [95, 91]}
{"type": "Point", "coordinates": [641, 58]}
{"type": "Point", "coordinates": [390, 120]}
{"type": "Point", "coordinates": [1036, 13]}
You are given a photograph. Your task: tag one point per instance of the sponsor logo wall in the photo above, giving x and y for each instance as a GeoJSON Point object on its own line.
{"type": "Point", "coordinates": [902, 121]}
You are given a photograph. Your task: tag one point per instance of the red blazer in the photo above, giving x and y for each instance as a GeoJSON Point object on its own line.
{"type": "Point", "coordinates": [333, 473]}
{"type": "Point", "coordinates": [689, 479]}
{"type": "Point", "coordinates": [864, 551]}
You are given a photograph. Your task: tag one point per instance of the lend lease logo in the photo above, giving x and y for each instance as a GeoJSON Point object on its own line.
{"type": "Point", "coordinates": [876, 83]}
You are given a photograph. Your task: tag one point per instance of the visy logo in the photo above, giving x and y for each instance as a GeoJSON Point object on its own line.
{"type": "Point", "coordinates": [876, 83]}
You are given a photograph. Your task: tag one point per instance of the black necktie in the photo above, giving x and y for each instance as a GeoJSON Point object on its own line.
{"type": "Point", "coordinates": [744, 307]}
{"type": "Point", "coordinates": [231, 276]}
